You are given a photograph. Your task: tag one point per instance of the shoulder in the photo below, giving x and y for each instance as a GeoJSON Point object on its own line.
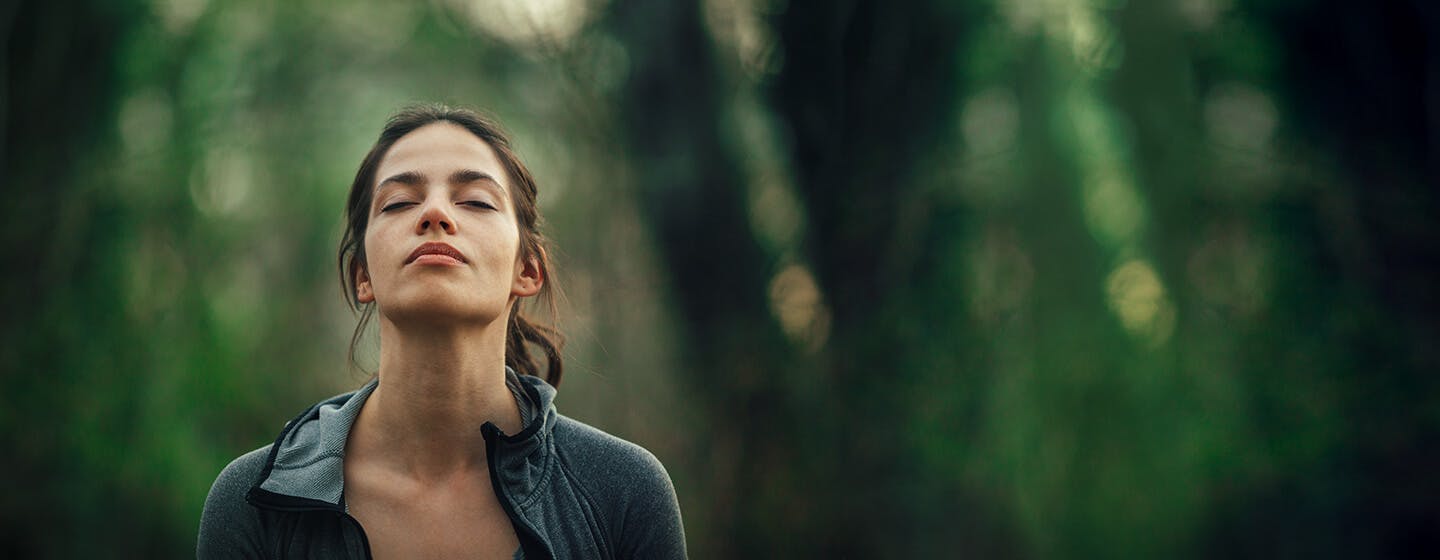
{"type": "Point", "coordinates": [238, 476]}
{"type": "Point", "coordinates": [606, 461]}
{"type": "Point", "coordinates": [628, 484]}
{"type": "Point", "coordinates": [229, 525]}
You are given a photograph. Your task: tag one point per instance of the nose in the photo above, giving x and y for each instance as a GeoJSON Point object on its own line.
{"type": "Point", "coordinates": [434, 217]}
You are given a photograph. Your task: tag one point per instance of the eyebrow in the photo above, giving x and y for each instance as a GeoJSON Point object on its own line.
{"type": "Point", "coordinates": [460, 177]}
{"type": "Point", "coordinates": [408, 178]}
{"type": "Point", "coordinates": [466, 176]}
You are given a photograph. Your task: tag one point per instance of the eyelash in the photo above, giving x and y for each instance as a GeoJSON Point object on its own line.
{"type": "Point", "coordinates": [472, 203]}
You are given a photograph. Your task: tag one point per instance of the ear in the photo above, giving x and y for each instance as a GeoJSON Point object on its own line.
{"type": "Point", "coordinates": [528, 277]}
{"type": "Point", "coordinates": [363, 292]}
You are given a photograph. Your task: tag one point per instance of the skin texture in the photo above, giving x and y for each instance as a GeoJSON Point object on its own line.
{"type": "Point", "coordinates": [415, 468]}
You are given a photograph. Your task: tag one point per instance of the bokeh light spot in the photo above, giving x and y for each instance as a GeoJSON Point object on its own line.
{"type": "Point", "coordinates": [1240, 117]}
{"type": "Point", "coordinates": [796, 301]}
{"type": "Point", "coordinates": [223, 183]}
{"type": "Point", "coordinates": [1138, 299]}
{"type": "Point", "coordinates": [526, 23]}
{"type": "Point", "coordinates": [178, 16]}
{"type": "Point", "coordinates": [990, 122]}
{"type": "Point", "coordinates": [145, 121]}
{"type": "Point", "coordinates": [1113, 209]}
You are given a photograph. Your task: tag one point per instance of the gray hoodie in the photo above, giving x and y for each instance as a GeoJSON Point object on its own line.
{"type": "Point", "coordinates": [570, 490]}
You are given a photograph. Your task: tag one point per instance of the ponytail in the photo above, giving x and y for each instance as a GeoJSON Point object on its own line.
{"type": "Point", "coordinates": [517, 352]}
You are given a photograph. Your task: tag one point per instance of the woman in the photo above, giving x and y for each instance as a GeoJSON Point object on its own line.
{"type": "Point", "coordinates": [455, 449]}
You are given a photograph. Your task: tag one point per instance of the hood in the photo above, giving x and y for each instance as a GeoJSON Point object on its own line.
{"type": "Point", "coordinates": [306, 464]}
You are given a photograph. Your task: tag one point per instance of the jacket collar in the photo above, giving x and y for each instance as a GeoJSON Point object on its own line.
{"type": "Point", "coordinates": [306, 464]}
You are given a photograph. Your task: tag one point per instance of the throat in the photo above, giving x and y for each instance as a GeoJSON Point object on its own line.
{"type": "Point", "coordinates": [433, 434]}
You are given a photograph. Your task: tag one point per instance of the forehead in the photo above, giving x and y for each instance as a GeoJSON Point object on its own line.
{"type": "Point", "coordinates": [436, 150]}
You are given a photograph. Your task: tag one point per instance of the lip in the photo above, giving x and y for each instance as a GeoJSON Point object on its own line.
{"type": "Point", "coordinates": [438, 249]}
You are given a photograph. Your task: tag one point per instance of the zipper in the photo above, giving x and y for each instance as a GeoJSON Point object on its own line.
{"type": "Point", "coordinates": [530, 542]}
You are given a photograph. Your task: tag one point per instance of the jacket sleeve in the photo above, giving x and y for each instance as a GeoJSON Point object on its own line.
{"type": "Point", "coordinates": [652, 527]}
{"type": "Point", "coordinates": [229, 526]}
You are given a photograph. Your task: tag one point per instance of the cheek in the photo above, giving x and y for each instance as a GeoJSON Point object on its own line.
{"type": "Point", "coordinates": [367, 252]}
{"type": "Point", "coordinates": [373, 252]}
{"type": "Point", "coordinates": [516, 247]}
{"type": "Point", "coordinates": [375, 237]}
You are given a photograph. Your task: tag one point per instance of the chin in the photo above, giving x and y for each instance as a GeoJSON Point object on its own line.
{"type": "Point", "coordinates": [440, 310]}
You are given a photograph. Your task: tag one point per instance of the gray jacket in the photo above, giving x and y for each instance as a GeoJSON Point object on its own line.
{"type": "Point", "coordinates": [571, 491]}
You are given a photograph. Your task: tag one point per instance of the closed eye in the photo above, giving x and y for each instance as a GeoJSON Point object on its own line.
{"type": "Point", "coordinates": [477, 204]}
{"type": "Point", "coordinates": [396, 206]}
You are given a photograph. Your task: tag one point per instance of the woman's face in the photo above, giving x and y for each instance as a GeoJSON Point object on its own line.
{"type": "Point", "coordinates": [443, 242]}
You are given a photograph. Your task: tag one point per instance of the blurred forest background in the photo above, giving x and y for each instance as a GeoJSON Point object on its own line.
{"type": "Point", "coordinates": [992, 278]}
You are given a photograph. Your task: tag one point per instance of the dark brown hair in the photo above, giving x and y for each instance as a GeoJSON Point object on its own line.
{"type": "Point", "coordinates": [520, 330]}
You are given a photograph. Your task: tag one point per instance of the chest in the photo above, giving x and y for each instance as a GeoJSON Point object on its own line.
{"type": "Point", "coordinates": [459, 518]}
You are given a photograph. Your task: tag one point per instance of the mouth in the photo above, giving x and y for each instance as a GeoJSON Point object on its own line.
{"type": "Point", "coordinates": [435, 252]}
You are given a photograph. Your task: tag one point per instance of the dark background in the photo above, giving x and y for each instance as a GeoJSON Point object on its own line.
{"type": "Point", "coordinates": [1010, 278]}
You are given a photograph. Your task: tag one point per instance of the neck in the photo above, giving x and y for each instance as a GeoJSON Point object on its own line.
{"type": "Point", "coordinates": [437, 387]}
